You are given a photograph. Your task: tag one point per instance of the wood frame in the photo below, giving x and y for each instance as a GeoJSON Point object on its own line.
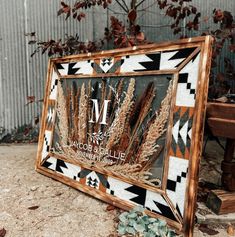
{"type": "Point", "coordinates": [175, 200]}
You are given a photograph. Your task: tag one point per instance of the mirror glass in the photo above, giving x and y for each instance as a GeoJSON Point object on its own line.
{"type": "Point", "coordinates": [116, 125]}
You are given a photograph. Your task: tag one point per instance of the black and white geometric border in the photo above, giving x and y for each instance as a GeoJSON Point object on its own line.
{"type": "Point", "coordinates": [66, 169]}
{"type": "Point", "coordinates": [46, 144]}
{"type": "Point", "coordinates": [187, 83]}
{"type": "Point", "coordinates": [176, 182]}
{"type": "Point", "coordinates": [53, 87]}
{"type": "Point", "coordinates": [166, 60]}
{"type": "Point", "coordinates": [150, 200]}
{"type": "Point", "coordinates": [178, 168]}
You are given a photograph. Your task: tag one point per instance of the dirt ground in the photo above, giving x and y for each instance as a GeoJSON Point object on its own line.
{"type": "Point", "coordinates": [32, 205]}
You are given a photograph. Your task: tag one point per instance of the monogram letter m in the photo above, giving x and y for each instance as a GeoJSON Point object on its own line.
{"type": "Point", "coordinates": [97, 112]}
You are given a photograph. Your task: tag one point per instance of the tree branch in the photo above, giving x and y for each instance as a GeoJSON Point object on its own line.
{"type": "Point", "coordinates": [115, 12]}
{"type": "Point", "coordinates": [126, 10]}
{"type": "Point", "coordinates": [141, 2]}
{"type": "Point", "coordinates": [144, 9]}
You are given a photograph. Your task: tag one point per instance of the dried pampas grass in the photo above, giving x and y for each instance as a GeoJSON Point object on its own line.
{"type": "Point", "coordinates": [132, 172]}
{"type": "Point", "coordinates": [89, 110]}
{"type": "Point", "coordinates": [156, 130]}
{"type": "Point", "coordinates": [118, 125]}
{"type": "Point", "coordinates": [128, 131]}
{"type": "Point", "coordinates": [138, 115]}
{"type": "Point", "coordinates": [83, 118]}
{"type": "Point", "coordinates": [117, 91]}
{"type": "Point", "coordinates": [76, 94]}
{"type": "Point", "coordinates": [63, 125]}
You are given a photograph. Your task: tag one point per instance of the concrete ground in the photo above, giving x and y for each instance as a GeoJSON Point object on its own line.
{"type": "Point", "coordinates": [32, 205]}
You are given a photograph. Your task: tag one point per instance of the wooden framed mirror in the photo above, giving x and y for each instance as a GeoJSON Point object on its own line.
{"type": "Point", "coordinates": [126, 126]}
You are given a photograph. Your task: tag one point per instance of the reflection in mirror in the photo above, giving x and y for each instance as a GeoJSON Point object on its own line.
{"type": "Point", "coordinates": [117, 125]}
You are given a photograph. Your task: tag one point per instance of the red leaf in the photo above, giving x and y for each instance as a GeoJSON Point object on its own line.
{"type": "Point", "coordinates": [32, 42]}
{"type": "Point", "coordinates": [82, 14]}
{"type": "Point", "coordinates": [65, 9]}
{"type": "Point", "coordinates": [195, 27]}
{"type": "Point", "coordinates": [63, 4]}
{"type": "Point", "coordinates": [32, 34]}
{"type": "Point", "coordinates": [190, 25]}
{"type": "Point", "coordinates": [232, 47]}
{"type": "Point", "coordinates": [228, 19]}
{"type": "Point", "coordinates": [33, 53]}
{"type": "Point", "coordinates": [218, 15]}
{"type": "Point", "coordinates": [177, 30]}
{"type": "Point", "coordinates": [172, 12]}
{"type": "Point", "coordinates": [105, 5]}
{"type": "Point", "coordinates": [194, 10]}
{"type": "Point", "coordinates": [30, 99]}
{"type": "Point", "coordinates": [140, 36]}
{"type": "Point", "coordinates": [27, 130]}
{"type": "Point", "coordinates": [2, 232]}
{"type": "Point", "coordinates": [61, 11]}
{"type": "Point", "coordinates": [33, 207]}
{"type": "Point", "coordinates": [44, 50]}
{"type": "Point", "coordinates": [161, 4]}
{"type": "Point", "coordinates": [68, 15]}
{"type": "Point", "coordinates": [36, 120]}
{"type": "Point", "coordinates": [75, 15]}
{"type": "Point", "coordinates": [110, 208]}
{"type": "Point", "coordinates": [132, 15]}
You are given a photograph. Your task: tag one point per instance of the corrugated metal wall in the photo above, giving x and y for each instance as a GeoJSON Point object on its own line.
{"type": "Point", "coordinates": [22, 76]}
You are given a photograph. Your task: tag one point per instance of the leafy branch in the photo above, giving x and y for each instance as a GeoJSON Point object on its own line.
{"type": "Point", "coordinates": [184, 18]}
{"type": "Point", "coordinates": [71, 45]}
{"type": "Point", "coordinates": [178, 10]}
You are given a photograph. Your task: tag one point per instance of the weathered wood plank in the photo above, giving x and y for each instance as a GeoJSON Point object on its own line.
{"type": "Point", "coordinates": [221, 202]}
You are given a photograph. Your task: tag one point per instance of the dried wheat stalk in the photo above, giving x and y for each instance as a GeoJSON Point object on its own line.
{"type": "Point", "coordinates": [140, 111]}
{"type": "Point", "coordinates": [91, 95]}
{"type": "Point", "coordinates": [73, 95]}
{"type": "Point", "coordinates": [142, 106]}
{"type": "Point", "coordinates": [117, 94]}
{"type": "Point", "coordinates": [82, 126]}
{"type": "Point", "coordinates": [156, 130]}
{"type": "Point", "coordinates": [89, 111]}
{"type": "Point", "coordinates": [103, 89]}
{"type": "Point", "coordinates": [132, 172]}
{"type": "Point", "coordinates": [62, 115]}
{"type": "Point", "coordinates": [136, 171]}
{"type": "Point", "coordinates": [118, 125]}
{"type": "Point", "coordinates": [76, 94]}
{"type": "Point", "coordinates": [68, 109]}
{"type": "Point", "coordinates": [111, 98]}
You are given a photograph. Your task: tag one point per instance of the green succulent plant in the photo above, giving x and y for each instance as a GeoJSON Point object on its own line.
{"type": "Point", "coordinates": [136, 223]}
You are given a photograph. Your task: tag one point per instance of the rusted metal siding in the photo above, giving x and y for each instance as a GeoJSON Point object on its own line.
{"type": "Point", "coordinates": [22, 76]}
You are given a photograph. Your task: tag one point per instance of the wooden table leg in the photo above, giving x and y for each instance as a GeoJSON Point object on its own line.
{"type": "Point", "coordinates": [228, 166]}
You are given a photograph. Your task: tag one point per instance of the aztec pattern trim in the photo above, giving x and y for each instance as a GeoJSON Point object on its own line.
{"type": "Point", "coordinates": [183, 116]}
